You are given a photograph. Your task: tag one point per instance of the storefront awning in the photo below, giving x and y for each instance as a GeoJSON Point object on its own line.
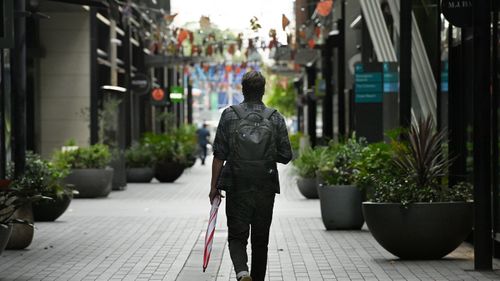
{"type": "Point", "coordinates": [92, 3]}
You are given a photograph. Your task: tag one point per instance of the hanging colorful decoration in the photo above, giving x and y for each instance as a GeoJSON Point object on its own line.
{"type": "Point", "coordinates": [284, 22]}
{"type": "Point", "coordinates": [324, 8]}
{"type": "Point", "coordinates": [254, 24]}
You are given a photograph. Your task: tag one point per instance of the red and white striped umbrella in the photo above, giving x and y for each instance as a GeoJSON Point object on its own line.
{"type": "Point", "coordinates": [209, 237]}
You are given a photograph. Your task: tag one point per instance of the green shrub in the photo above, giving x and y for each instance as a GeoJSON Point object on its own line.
{"type": "Point", "coordinates": [308, 162]}
{"type": "Point", "coordinates": [96, 156]}
{"type": "Point", "coordinates": [419, 169]}
{"type": "Point", "coordinates": [187, 138]}
{"type": "Point", "coordinates": [339, 165]}
{"type": "Point", "coordinates": [40, 177]}
{"type": "Point", "coordinates": [295, 140]}
{"type": "Point", "coordinates": [176, 146]}
{"type": "Point", "coordinates": [139, 156]}
{"type": "Point", "coordinates": [165, 148]}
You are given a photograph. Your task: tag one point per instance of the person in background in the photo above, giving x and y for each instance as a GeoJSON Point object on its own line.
{"type": "Point", "coordinates": [203, 141]}
{"type": "Point", "coordinates": [251, 138]}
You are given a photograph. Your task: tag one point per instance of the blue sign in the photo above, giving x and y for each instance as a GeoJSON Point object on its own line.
{"type": "Point", "coordinates": [444, 77]}
{"type": "Point", "coordinates": [391, 78]}
{"type": "Point", "coordinates": [368, 84]}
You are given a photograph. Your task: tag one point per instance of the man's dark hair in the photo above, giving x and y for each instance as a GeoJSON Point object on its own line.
{"type": "Point", "coordinates": [253, 86]}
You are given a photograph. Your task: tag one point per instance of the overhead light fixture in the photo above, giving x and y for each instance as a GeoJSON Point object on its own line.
{"type": "Point", "coordinates": [114, 88]}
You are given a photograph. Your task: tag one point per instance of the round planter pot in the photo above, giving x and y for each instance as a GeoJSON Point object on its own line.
{"type": "Point", "coordinates": [421, 230]}
{"type": "Point", "coordinates": [168, 171]}
{"type": "Point", "coordinates": [91, 183]}
{"type": "Point", "coordinates": [341, 207]}
{"type": "Point", "coordinates": [140, 175]}
{"type": "Point", "coordinates": [51, 210]}
{"type": "Point", "coordinates": [308, 187]}
{"type": "Point", "coordinates": [5, 233]}
{"type": "Point", "coordinates": [22, 234]}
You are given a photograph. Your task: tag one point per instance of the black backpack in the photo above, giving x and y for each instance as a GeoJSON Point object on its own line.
{"type": "Point", "coordinates": [253, 147]}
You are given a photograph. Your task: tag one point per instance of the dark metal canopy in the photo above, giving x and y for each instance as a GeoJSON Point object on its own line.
{"type": "Point", "coordinates": [92, 3]}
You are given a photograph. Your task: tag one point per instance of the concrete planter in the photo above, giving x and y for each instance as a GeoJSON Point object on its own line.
{"type": "Point", "coordinates": [421, 230]}
{"type": "Point", "coordinates": [308, 187]}
{"type": "Point", "coordinates": [341, 206]}
{"type": "Point", "coordinates": [91, 183]}
{"type": "Point", "coordinates": [140, 175]}
{"type": "Point", "coordinates": [51, 210]}
{"type": "Point", "coordinates": [5, 233]}
{"type": "Point", "coordinates": [22, 234]}
{"type": "Point", "coordinates": [168, 171]}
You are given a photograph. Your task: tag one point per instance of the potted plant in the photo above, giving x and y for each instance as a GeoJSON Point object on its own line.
{"type": "Point", "coordinates": [8, 206]}
{"type": "Point", "coordinates": [10, 202]}
{"type": "Point", "coordinates": [413, 213]}
{"type": "Point", "coordinates": [38, 182]}
{"type": "Point", "coordinates": [295, 143]}
{"type": "Point", "coordinates": [185, 136]}
{"type": "Point", "coordinates": [169, 159]}
{"type": "Point", "coordinates": [43, 176]}
{"type": "Point", "coordinates": [340, 197]}
{"type": "Point", "coordinates": [89, 173]}
{"type": "Point", "coordinates": [307, 165]}
{"type": "Point", "coordinates": [139, 159]}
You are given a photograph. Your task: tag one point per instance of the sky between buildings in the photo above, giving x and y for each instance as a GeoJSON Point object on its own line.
{"type": "Point", "coordinates": [235, 14]}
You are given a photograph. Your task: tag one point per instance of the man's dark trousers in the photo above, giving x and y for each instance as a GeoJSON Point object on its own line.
{"type": "Point", "coordinates": [249, 210]}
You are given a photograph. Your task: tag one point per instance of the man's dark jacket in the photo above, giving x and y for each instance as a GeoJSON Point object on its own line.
{"type": "Point", "coordinates": [227, 127]}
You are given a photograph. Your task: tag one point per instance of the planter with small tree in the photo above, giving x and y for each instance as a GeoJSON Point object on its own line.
{"type": "Point", "coordinates": [89, 172]}
{"type": "Point", "coordinates": [413, 213]}
{"type": "Point", "coordinates": [340, 197]}
{"type": "Point", "coordinates": [43, 176]}
{"type": "Point", "coordinates": [169, 159]}
{"type": "Point", "coordinates": [306, 165]}
{"type": "Point", "coordinates": [139, 159]}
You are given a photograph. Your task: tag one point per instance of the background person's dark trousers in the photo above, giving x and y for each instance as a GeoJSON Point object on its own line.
{"type": "Point", "coordinates": [249, 210]}
{"type": "Point", "coordinates": [203, 154]}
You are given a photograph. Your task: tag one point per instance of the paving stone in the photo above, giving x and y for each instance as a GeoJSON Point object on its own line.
{"type": "Point", "coordinates": [156, 232]}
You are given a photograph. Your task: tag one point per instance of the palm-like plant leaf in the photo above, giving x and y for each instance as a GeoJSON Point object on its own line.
{"type": "Point", "coordinates": [424, 159]}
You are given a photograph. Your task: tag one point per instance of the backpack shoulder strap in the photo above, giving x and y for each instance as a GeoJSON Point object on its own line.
{"type": "Point", "coordinates": [240, 111]}
{"type": "Point", "coordinates": [268, 112]}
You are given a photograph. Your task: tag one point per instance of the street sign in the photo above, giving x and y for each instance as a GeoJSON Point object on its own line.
{"type": "Point", "coordinates": [159, 98]}
{"type": "Point", "coordinates": [140, 83]}
{"type": "Point", "coordinates": [458, 12]}
{"type": "Point", "coordinates": [176, 94]}
{"type": "Point", "coordinates": [369, 98]}
{"type": "Point", "coordinates": [368, 83]}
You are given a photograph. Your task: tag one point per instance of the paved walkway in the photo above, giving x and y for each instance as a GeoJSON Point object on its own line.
{"type": "Point", "coordinates": [156, 232]}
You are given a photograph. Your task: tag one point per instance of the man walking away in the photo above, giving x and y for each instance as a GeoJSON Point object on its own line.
{"type": "Point", "coordinates": [250, 139]}
{"type": "Point", "coordinates": [203, 135]}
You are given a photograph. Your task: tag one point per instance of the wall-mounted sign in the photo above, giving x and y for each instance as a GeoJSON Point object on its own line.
{"type": "Point", "coordinates": [368, 83]}
{"type": "Point", "coordinates": [140, 83]}
{"type": "Point", "coordinates": [458, 12]}
{"type": "Point", "coordinates": [444, 77]}
{"type": "Point", "coordinates": [391, 78]}
{"type": "Point", "coordinates": [176, 94]}
{"type": "Point", "coordinates": [158, 97]}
